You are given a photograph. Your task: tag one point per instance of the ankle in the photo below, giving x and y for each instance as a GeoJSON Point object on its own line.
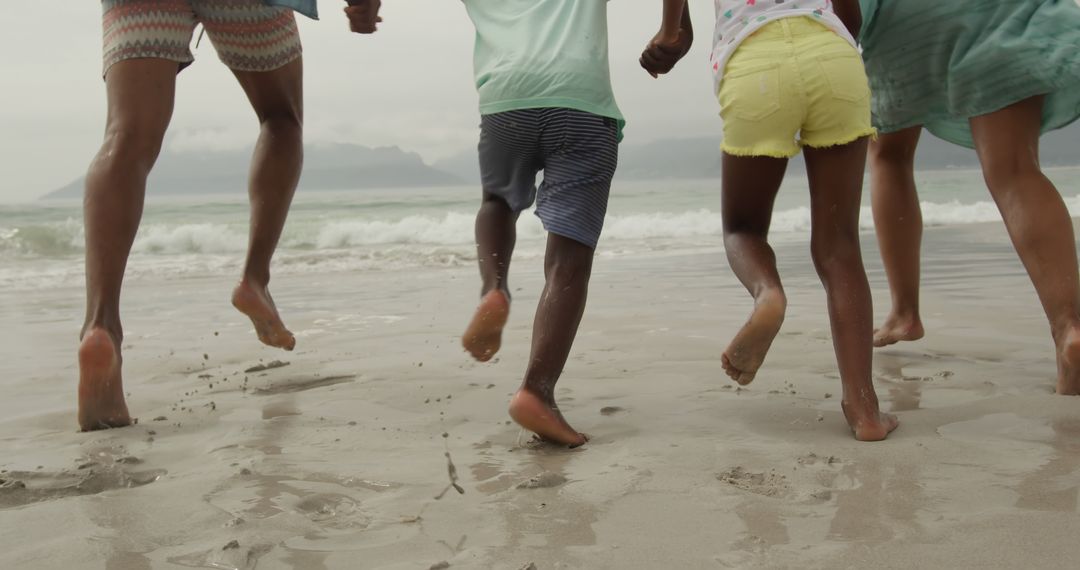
{"type": "Point", "coordinates": [542, 390]}
{"type": "Point", "coordinates": [1063, 328]}
{"type": "Point", "coordinates": [905, 314]}
{"type": "Point", "coordinates": [114, 331]}
{"type": "Point", "coordinates": [864, 404]}
{"type": "Point", "coordinates": [255, 278]}
{"type": "Point", "coordinates": [487, 289]}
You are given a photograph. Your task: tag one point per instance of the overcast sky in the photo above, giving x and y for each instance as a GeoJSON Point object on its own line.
{"type": "Point", "coordinates": [410, 85]}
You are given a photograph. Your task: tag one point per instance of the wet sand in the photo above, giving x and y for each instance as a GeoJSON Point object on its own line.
{"type": "Point", "coordinates": [332, 456]}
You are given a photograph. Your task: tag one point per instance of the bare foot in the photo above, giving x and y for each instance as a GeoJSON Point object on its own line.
{"type": "Point", "coordinates": [867, 422]}
{"type": "Point", "coordinates": [744, 356]}
{"type": "Point", "coordinates": [256, 303]}
{"type": "Point", "coordinates": [484, 336]}
{"type": "Point", "coordinates": [1068, 359]}
{"type": "Point", "coordinates": [544, 419]}
{"type": "Point", "coordinates": [898, 329]}
{"type": "Point", "coordinates": [101, 391]}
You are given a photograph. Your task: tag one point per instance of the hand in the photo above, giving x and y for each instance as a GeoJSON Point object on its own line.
{"type": "Point", "coordinates": [664, 51]}
{"type": "Point", "coordinates": [363, 15]}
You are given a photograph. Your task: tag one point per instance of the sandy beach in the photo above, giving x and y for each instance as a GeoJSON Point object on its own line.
{"type": "Point", "coordinates": [336, 455]}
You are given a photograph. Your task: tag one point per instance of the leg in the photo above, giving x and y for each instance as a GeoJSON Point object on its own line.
{"type": "Point", "coordinates": [567, 267]}
{"type": "Point", "coordinates": [277, 98]}
{"type": "Point", "coordinates": [836, 177]}
{"type": "Point", "coordinates": [898, 221]}
{"type": "Point", "coordinates": [140, 102]}
{"type": "Point", "coordinates": [1038, 222]}
{"type": "Point", "coordinates": [750, 185]}
{"type": "Point", "coordinates": [580, 152]}
{"type": "Point", "coordinates": [496, 234]}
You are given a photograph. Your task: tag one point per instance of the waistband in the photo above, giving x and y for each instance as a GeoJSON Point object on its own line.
{"type": "Point", "coordinates": [791, 27]}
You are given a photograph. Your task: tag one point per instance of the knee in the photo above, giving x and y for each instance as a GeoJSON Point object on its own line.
{"type": "Point", "coordinates": [1002, 171]}
{"type": "Point", "coordinates": [284, 122]}
{"type": "Point", "coordinates": [131, 144]}
{"type": "Point", "coordinates": [834, 253]}
{"type": "Point", "coordinates": [570, 269]}
{"type": "Point", "coordinates": [737, 229]}
{"type": "Point", "coordinates": [892, 152]}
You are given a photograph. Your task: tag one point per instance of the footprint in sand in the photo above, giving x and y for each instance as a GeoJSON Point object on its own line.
{"type": "Point", "coordinates": [823, 470]}
{"type": "Point", "coordinates": [815, 459]}
{"type": "Point", "coordinates": [769, 484]}
{"type": "Point", "coordinates": [331, 510]}
{"type": "Point", "coordinates": [234, 555]}
{"type": "Point", "coordinates": [97, 474]}
{"type": "Point", "coordinates": [545, 480]}
{"type": "Point", "coordinates": [491, 477]}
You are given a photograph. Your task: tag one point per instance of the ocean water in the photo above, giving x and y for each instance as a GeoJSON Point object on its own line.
{"type": "Point", "coordinates": [41, 243]}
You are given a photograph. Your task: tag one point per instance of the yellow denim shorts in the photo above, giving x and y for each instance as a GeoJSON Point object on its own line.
{"type": "Point", "coordinates": [793, 78]}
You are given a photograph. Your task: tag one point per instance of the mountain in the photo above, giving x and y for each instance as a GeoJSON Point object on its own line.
{"type": "Point", "coordinates": [699, 157]}
{"type": "Point", "coordinates": [326, 167]}
{"type": "Point", "coordinates": [345, 167]}
{"type": "Point", "coordinates": [654, 160]}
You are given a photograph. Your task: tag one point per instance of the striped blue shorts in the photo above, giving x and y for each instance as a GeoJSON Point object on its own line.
{"type": "Point", "coordinates": [578, 153]}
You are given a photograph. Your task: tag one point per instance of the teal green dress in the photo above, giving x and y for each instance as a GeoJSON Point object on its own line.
{"type": "Point", "coordinates": [938, 63]}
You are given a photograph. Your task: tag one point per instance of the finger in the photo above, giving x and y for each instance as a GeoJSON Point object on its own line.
{"type": "Point", "coordinates": [651, 61]}
{"type": "Point", "coordinates": [362, 27]}
{"type": "Point", "coordinates": [662, 61]}
{"type": "Point", "coordinates": [658, 54]}
{"type": "Point", "coordinates": [666, 63]}
{"type": "Point", "coordinates": [361, 12]}
{"type": "Point", "coordinates": [645, 66]}
{"type": "Point", "coordinates": [670, 50]}
{"type": "Point", "coordinates": [362, 21]}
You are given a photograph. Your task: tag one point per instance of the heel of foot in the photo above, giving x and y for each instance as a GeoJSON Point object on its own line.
{"type": "Point", "coordinates": [101, 393]}
{"type": "Point", "coordinates": [872, 425]}
{"type": "Point", "coordinates": [543, 419]}
{"type": "Point", "coordinates": [898, 329]}
{"type": "Point", "coordinates": [483, 337]}
{"type": "Point", "coordinates": [97, 351]}
{"type": "Point", "coordinates": [746, 353]}
{"type": "Point", "coordinates": [1070, 349]}
{"type": "Point", "coordinates": [1069, 364]}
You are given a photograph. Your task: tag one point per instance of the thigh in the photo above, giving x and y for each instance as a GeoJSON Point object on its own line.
{"type": "Point", "coordinates": [510, 158]}
{"type": "Point", "coordinates": [748, 191]}
{"type": "Point", "coordinates": [836, 179]}
{"type": "Point", "coordinates": [140, 95]}
{"type": "Point", "coordinates": [1007, 140]}
{"type": "Point", "coordinates": [580, 155]}
{"type": "Point", "coordinates": [275, 94]}
{"type": "Point", "coordinates": [897, 148]}
{"type": "Point", "coordinates": [147, 29]}
{"type": "Point", "coordinates": [249, 35]}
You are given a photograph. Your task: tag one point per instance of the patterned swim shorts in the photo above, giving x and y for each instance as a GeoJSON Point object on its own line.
{"type": "Point", "coordinates": [247, 34]}
{"type": "Point", "coordinates": [578, 153]}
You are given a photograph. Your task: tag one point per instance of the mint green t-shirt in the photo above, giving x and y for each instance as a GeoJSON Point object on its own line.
{"type": "Point", "coordinates": [542, 53]}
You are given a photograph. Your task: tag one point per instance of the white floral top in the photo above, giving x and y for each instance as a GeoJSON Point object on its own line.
{"type": "Point", "coordinates": [736, 20]}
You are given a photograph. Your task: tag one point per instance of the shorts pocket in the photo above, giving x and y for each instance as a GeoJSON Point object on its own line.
{"type": "Point", "coordinates": [752, 94]}
{"type": "Point", "coordinates": [846, 76]}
